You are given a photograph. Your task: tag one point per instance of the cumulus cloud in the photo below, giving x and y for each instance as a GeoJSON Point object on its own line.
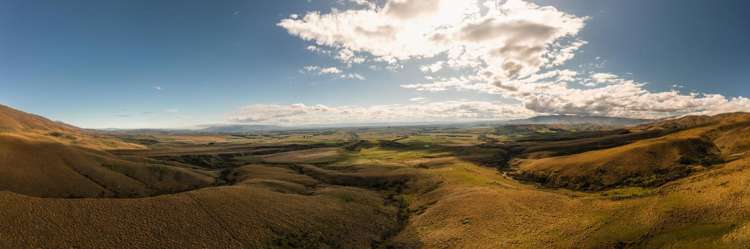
{"type": "Point", "coordinates": [449, 111]}
{"type": "Point", "coordinates": [511, 38]}
{"type": "Point", "coordinates": [620, 97]}
{"type": "Point", "coordinates": [605, 94]}
{"type": "Point", "coordinates": [511, 48]}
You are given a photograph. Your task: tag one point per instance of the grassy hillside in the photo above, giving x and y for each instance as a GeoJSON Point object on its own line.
{"type": "Point", "coordinates": [39, 157]}
{"type": "Point", "coordinates": [49, 169]}
{"type": "Point", "coordinates": [679, 183]}
{"type": "Point", "coordinates": [696, 143]}
{"type": "Point", "coordinates": [12, 120]}
{"type": "Point", "coordinates": [267, 207]}
{"type": "Point", "coordinates": [20, 123]}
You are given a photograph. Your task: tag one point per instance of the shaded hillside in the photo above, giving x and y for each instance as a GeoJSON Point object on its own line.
{"type": "Point", "coordinates": [268, 206]}
{"type": "Point", "coordinates": [692, 144]}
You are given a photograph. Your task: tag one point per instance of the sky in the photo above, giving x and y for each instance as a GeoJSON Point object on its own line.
{"type": "Point", "coordinates": [186, 63]}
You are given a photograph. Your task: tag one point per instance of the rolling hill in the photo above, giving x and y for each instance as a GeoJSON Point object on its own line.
{"type": "Point", "coordinates": [35, 127]}
{"type": "Point", "coordinates": [678, 183]}
{"type": "Point", "coordinates": [691, 144]}
{"type": "Point", "coordinates": [39, 157]}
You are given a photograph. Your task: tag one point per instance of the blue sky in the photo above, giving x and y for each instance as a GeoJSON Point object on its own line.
{"type": "Point", "coordinates": [146, 63]}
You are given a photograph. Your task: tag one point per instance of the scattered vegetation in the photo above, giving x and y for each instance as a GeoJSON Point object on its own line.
{"type": "Point", "coordinates": [672, 184]}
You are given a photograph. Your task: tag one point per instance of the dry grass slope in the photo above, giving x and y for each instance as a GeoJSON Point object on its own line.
{"type": "Point", "coordinates": [390, 195]}
{"type": "Point", "coordinates": [268, 207]}
{"type": "Point", "coordinates": [42, 158]}
{"type": "Point", "coordinates": [50, 169]}
{"type": "Point", "coordinates": [17, 122]}
{"type": "Point", "coordinates": [702, 142]}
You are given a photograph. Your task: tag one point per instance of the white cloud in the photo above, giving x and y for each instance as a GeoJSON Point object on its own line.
{"type": "Point", "coordinates": [620, 97]}
{"type": "Point", "coordinates": [552, 93]}
{"type": "Point", "coordinates": [606, 94]}
{"type": "Point", "coordinates": [311, 68]}
{"type": "Point", "coordinates": [352, 76]}
{"type": "Point", "coordinates": [330, 70]}
{"type": "Point", "coordinates": [605, 78]}
{"type": "Point", "coordinates": [511, 48]}
{"type": "Point", "coordinates": [347, 56]}
{"type": "Point", "coordinates": [158, 88]}
{"type": "Point", "coordinates": [318, 50]}
{"type": "Point", "coordinates": [322, 70]}
{"type": "Point", "coordinates": [450, 111]}
{"type": "Point", "coordinates": [340, 74]}
{"type": "Point", "coordinates": [513, 38]}
{"type": "Point", "coordinates": [432, 68]}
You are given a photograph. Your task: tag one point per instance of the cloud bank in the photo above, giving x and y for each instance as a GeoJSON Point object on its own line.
{"type": "Point", "coordinates": [511, 48]}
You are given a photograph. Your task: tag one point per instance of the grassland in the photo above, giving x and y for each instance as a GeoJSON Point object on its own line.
{"type": "Point", "coordinates": [673, 184]}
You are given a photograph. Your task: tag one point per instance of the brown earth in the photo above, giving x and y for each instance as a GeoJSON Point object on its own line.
{"type": "Point", "coordinates": [37, 162]}
{"type": "Point", "coordinates": [269, 207]}
{"type": "Point", "coordinates": [700, 142]}
{"type": "Point", "coordinates": [679, 183]}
